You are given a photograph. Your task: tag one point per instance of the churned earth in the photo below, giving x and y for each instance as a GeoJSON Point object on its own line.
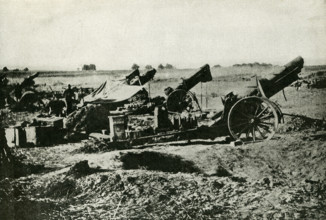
{"type": "Point", "coordinates": [282, 178]}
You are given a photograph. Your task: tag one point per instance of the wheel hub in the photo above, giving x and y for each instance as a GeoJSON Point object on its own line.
{"type": "Point", "coordinates": [252, 120]}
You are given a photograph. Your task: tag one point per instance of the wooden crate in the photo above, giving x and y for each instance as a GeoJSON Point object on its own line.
{"type": "Point", "coordinates": [52, 121]}
{"type": "Point", "coordinates": [118, 126]}
{"type": "Point", "coordinates": [43, 136]}
{"type": "Point", "coordinates": [16, 137]}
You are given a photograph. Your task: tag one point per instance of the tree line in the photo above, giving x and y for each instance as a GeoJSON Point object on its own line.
{"type": "Point", "coordinates": [5, 69]}
{"type": "Point", "coordinates": [148, 67]}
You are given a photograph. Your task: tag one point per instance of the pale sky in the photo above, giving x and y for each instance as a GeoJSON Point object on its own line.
{"type": "Point", "coordinates": [65, 34]}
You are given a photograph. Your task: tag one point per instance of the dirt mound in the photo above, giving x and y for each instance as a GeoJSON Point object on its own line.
{"type": "Point", "coordinates": [150, 160]}
{"type": "Point", "coordinates": [300, 122]}
{"type": "Point", "coordinates": [80, 169]}
{"type": "Point", "coordinates": [64, 188]}
{"type": "Point", "coordinates": [284, 160]}
{"type": "Point", "coordinates": [220, 171]}
{"type": "Point", "coordinates": [15, 205]}
{"type": "Point", "coordinates": [151, 195]}
{"type": "Point", "coordinates": [67, 185]}
{"type": "Point", "coordinates": [139, 195]}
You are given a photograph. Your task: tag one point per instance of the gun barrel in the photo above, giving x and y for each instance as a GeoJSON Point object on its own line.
{"type": "Point", "coordinates": [279, 81]}
{"type": "Point", "coordinates": [132, 75]}
{"type": "Point", "coordinates": [149, 75]}
{"type": "Point", "coordinates": [203, 75]}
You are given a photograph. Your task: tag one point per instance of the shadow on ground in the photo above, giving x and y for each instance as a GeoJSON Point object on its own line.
{"type": "Point", "coordinates": [150, 160]}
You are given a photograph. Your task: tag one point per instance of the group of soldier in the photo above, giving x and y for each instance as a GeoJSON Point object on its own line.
{"type": "Point", "coordinates": [59, 107]}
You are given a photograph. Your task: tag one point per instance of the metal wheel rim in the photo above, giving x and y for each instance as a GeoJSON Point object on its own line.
{"type": "Point", "coordinates": [252, 119]}
{"type": "Point", "coordinates": [177, 99]}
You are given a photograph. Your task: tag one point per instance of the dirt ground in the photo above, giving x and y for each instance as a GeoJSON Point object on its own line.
{"type": "Point", "coordinates": [283, 178]}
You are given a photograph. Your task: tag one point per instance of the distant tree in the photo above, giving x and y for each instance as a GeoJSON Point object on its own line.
{"type": "Point", "coordinates": [5, 69]}
{"type": "Point", "coordinates": [169, 66]}
{"type": "Point", "coordinates": [148, 67]}
{"type": "Point", "coordinates": [92, 67]}
{"type": "Point", "coordinates": [266, 64]}
{"type": "Point", "coordinates": [16, 70]}
{"type": "Point", "coordinates": [85, 67]}
{"type": "Point", "coordinates": [89, 67]}
{"type": "Point", "coordinates": [134, 66]}
{"type": "Point", "coordinates": [26, 69]}
{"type": "Point", "coordinates": [160, 66]}
{"type": "Point", "coordinates": [217, 66]}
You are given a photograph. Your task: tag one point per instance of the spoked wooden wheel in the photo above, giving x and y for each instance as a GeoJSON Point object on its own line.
{"type": "Point", "coordinates": [180, 100]}
{"type": "Point", "coordinates": [253, 119]}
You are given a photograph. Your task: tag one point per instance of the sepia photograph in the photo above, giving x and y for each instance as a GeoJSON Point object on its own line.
{"type": "Point", "coordinates": [167, 109]}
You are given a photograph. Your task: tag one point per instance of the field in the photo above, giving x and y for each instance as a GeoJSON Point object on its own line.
{"type": "Point", "coordinates": [283, 178]}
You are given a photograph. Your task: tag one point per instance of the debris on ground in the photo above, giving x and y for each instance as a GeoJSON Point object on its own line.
{"type": "Point", "coordinates": [301, 122]}
{"type": "Point", "coordinates": [151, 195]}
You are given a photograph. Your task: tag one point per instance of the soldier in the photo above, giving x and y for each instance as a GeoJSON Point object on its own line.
{"type": "Point", "coordinates": [3, 90]}
{"type": "Point", "coordinates": [297, 85]}
{"type": "Point", "coordinates": [69, 96]}
{"type": "Point", "coordinates": [80, 95]}
{"type": "Point", "coordinates": [6, 158]}
{"type": "Point", "coordinates": [56, 106]}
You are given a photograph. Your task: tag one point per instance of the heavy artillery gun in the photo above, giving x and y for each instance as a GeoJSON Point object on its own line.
{"type": "Point", "coordinates": [21, 95]}
{"type": "Point", "coordinates": [180, 98]}
{"type": "Point", "coordinates": [253, 116]}
{"type": "Point", "coordinates": [136, 79]}
{"type": "Point", "coordinates": [269, 86]}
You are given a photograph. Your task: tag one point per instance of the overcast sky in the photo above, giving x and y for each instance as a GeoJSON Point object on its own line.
{"type": "Point", "coordinates": [64, 34]}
